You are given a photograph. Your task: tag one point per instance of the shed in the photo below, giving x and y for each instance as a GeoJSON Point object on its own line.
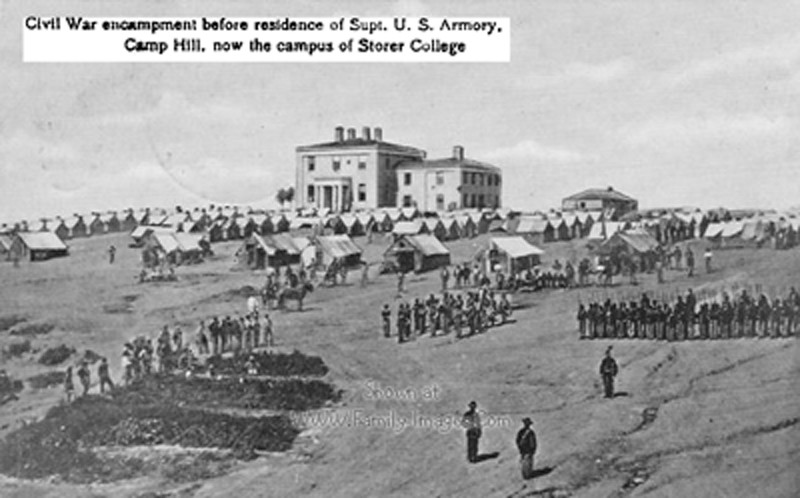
{"type": "Point", "coordinates": [341, 248]}
{"type": "Point", "coordinates": [258, 252]}
{"type": "Point", "coordinates": [37, 246]}
{"type": "Point", "coordinates": [513, 254]}
{"type": "Point", "coordinates": [417, 253]}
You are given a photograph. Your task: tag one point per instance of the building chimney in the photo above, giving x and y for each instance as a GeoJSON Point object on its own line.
{"type": "Point", "coordinates": [458, 153]}
{"type": "Point", "coordinates": [610, 188]}
{"type": "Point", "coordinates": [351, 133]}
{"type": "Point", "coordinates": [365, 133]}
{"type": "Point", "coordinates": [378, 132]}
{"type": "Point", "coordinates": [339, 135]}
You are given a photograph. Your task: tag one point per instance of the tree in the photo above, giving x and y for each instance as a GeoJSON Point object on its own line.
{"type": "Point", "coordinates": [281, 197]}
{"type": "Point", "coordinates": [289, 194]}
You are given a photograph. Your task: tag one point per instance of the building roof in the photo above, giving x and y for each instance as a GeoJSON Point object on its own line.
{"type": "Point", "coordinates": [447, 163]}
{"type": "Point", "coordinates": [5, 242]}
{"type": "Point", "coordinates": [639, 241]}
{"type": "Point", "coordinates": [428, 245]}
{"type": "Point", "coordinates": [361, 143]}
{"type": "Point", "coordinates": [600, 194]}
{"type": "Point", "coordinates": [338, 246]}
{"type": "Point", "coordinates": [408, 227]}
{"type": "Point", "coordinates": [188, 241]}
{"type": "Point", "coordinates": [41, 240]}
{"type": "Point", "coordinates": [516, 247]}
{"type": "Point", "coordinates": [166, 240]}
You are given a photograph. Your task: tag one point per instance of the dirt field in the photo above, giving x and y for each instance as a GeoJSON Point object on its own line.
{"type": "Point", "coordinates": [702, 418]}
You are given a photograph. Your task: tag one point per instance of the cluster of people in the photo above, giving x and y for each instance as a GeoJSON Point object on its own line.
{"type": "Point", "coordinates": [727, 317]}
{"type": "Point", "coordinates": [237, 334]}
{"type": "Point", "coordinates": [85, 378]}
{"type": "Point", "coordinates": [474, 311]}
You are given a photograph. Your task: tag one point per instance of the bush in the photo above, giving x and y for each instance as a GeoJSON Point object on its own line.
{"type": "Point", "coordinates": [56, 355]}
{"type": "Point", "coordinates": [8, 321]}
{"type": "Point", "coordinates": [294, 364]}
{"type": "Point", "coordinates": [46, 379]}
{"type": "Point", "coordinates": [33, 329]}
{"type": "Point", "coordinates": [16, 349]}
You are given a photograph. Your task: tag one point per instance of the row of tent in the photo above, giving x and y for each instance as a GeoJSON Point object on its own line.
{"type": "Point", "coordinates": [782, 232]}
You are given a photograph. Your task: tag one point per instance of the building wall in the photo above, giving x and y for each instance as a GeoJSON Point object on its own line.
{"type": "Point", "coordinates": [425, 188]}
{"type": "Point", "coordinates": [375, 181]}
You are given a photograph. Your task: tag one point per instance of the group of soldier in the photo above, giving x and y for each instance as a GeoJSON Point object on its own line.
{"type": "Point", "coordinates": [237, 334]}
{"type": "Point", "coordinates": [85, 378]}
{"type": "Point", "coordinates": [465, 314]}
{"type": "Point", "coordinates": [729, 317]}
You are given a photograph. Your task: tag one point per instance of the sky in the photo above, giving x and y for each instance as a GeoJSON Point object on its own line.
{"type": "Point", "coordinates": [676, 103]}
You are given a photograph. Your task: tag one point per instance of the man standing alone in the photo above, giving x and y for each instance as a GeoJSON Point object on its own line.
{"type": "Point", "coordinates": [526, 443]}
{"type": "Point", "coordinates": [608, 370]}
{"type": "Point", "coordinates": [471, 421]}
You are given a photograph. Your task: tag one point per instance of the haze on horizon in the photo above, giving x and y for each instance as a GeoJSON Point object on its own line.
{"type": "Point", "coordinates": [673, 103]}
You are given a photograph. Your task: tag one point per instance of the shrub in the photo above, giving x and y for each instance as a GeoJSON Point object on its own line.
{"type": "Point", "coordinates": [56, 355]}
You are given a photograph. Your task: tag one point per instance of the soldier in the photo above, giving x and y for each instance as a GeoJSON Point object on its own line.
{"type": "Point", "coordinates": [69, 386]}
{"type": "Point", "coordinates": [445, 275]}
{"type": "Point", "coordinates": [177, 339]}
{"type": "Point", "coordinates": [608, 370]}
{"type": "Point", "coordinates": [386, 315]}
{"type": "Point", "coordinates": [112, 252]}
{"type": "Point", "coordinates": [764, 310]}
{"type": "Point", "coordinates": [776, 315]}
{"type": "Point", "coordinates": [102, 374]}
{"type": "Point", "coordinates": [526, 444]}
{"type": "Point", "coordinates": [85, 377]}
{"type": "Point", "coordinates": [703, 320]}
{"type": "Point", "coordinates": [269, 338]}
{"type": "Point", "coordinates": [419, 316]}
{"type": "Point", "coordinates": [365, 275]}
{"type": "Point", "coordinates": [201, 339]}
{"type": "Point", "coordinates": [458, 316]}
{"type": "Point", "coordinates": [581, 322]}
{"type": "Point", "coordinates": [707, 258]}
{"type": "Point", "coordinates": [471, 421]}
{"type": "Point", "coordinates": [401, 277]}
{"type": "Point", "coordinates": [214, 332]}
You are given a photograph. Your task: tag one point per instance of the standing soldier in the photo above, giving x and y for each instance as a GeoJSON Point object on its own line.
{"type": "Point", "coordinates": [690, 261]}
{"type": "Point", "coordinates": [445, 278]}
{"type": "Point", "coordinates": [69, 386]}
{"type": "Point", "coordinates": [112, 251]}
{"type": "Point", "coordinates": [608, 370]}
{"type": "Point", "coordinates": [707, 258]}
{"type": "Point", "coordinates": [386, 315]}
{"type": "Point", "coordinates": [365, 275]}
{"type": "Point", "coordinates": [214, 332]}
{"type": "Point", "coordinates": [401, 277]}
{"type": "Point", "coordinates": [471, 421]}
{"type": "Point", "coordinates": [269, 338]}
{"type": "Point", "coordinates": [581, 321]}
{"type": "Point", "coordinates": [526, 444]}
{"type": "Point", "coordinates": [102, 374]}
{"type": "Point", "coordinates": [202, 339]}
{"type": "Point", "coordinates": [85, 377]}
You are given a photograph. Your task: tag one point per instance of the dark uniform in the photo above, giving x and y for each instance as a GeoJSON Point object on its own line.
{"type": "Point", "coordinates": [608, 370]}
{"type": "Point", "coordinates": [386, 315]}
{"type": "Point", "coordinates": [471, 421]}
{"type": "Point", "coordinates": [526, 444]}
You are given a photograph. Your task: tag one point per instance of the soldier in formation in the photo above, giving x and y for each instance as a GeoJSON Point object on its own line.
{"type": "Point", "coordinates": [722, 317]}
{"type": "Point", "coordinates": [465, 313]}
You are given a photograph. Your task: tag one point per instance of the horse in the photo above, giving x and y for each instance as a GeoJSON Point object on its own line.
{"type": "Point", "coordinates": [295, 293]}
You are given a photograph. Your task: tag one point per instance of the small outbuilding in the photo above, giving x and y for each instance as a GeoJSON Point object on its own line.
{"type": "Point", "coordinates": [417, 253]}
{"type": "Point", "coordinates": [37, 246]}
{"type": "Point", "coordinates": [512, 254]}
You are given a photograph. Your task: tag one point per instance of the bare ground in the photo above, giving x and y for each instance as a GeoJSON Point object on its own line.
{"type": "Point", "coordinates": [699, 418]}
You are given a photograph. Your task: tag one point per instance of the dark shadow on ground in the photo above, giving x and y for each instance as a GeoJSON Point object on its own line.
{"type": "Point", "coordinates": [542, 472]}
{"type": "Point", "coordinates": [621, 394]}
{"type": "Point", "coordinates": [487, 456]}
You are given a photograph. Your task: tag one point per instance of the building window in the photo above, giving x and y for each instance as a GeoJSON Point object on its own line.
{"type": "Point", "coordinates": [406, 178]}
{"type": "Point", "coordinates": [362, 192]}
{"type": "Point", "coordinates": [337, 164]}
{"type": "Point", "coordinates": [466, 201]}
{"type": "Point", "coordinates": [480, 201]}
{"type": "Point", "coordinates": [472, 200]}
{"type": "Point", "coordinates": [310, 193]}
{"type": "Point", "coordinates": [387, 163]}
{"type": "Point", "coordinates": [362, 163]}
{"type": "Point", "coordinates": [489, 180]}
{"type": "Point", "coordinates": [440, 179]}
{"type": "Point", "coordinates": [310, 163]}
{"type": "Point", "coordinates": [480, 180]}
{"type": "Point", "coordinates": [440, 202]}
{"type": "Point", "coordinates": [474, 179]}
{"type": "Point", "coordinates": [497, 180]}
{"type": "Point", "coordinates": [465, 178]}
{"type": "Point", "coordinates": [406, 201]}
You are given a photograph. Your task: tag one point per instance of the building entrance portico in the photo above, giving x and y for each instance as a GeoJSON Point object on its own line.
{"type": "Point", "coordinates": [333, 193]}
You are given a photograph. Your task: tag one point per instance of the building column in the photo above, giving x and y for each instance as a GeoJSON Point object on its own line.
{"type": "Point", "coordinates": [337, 197]}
